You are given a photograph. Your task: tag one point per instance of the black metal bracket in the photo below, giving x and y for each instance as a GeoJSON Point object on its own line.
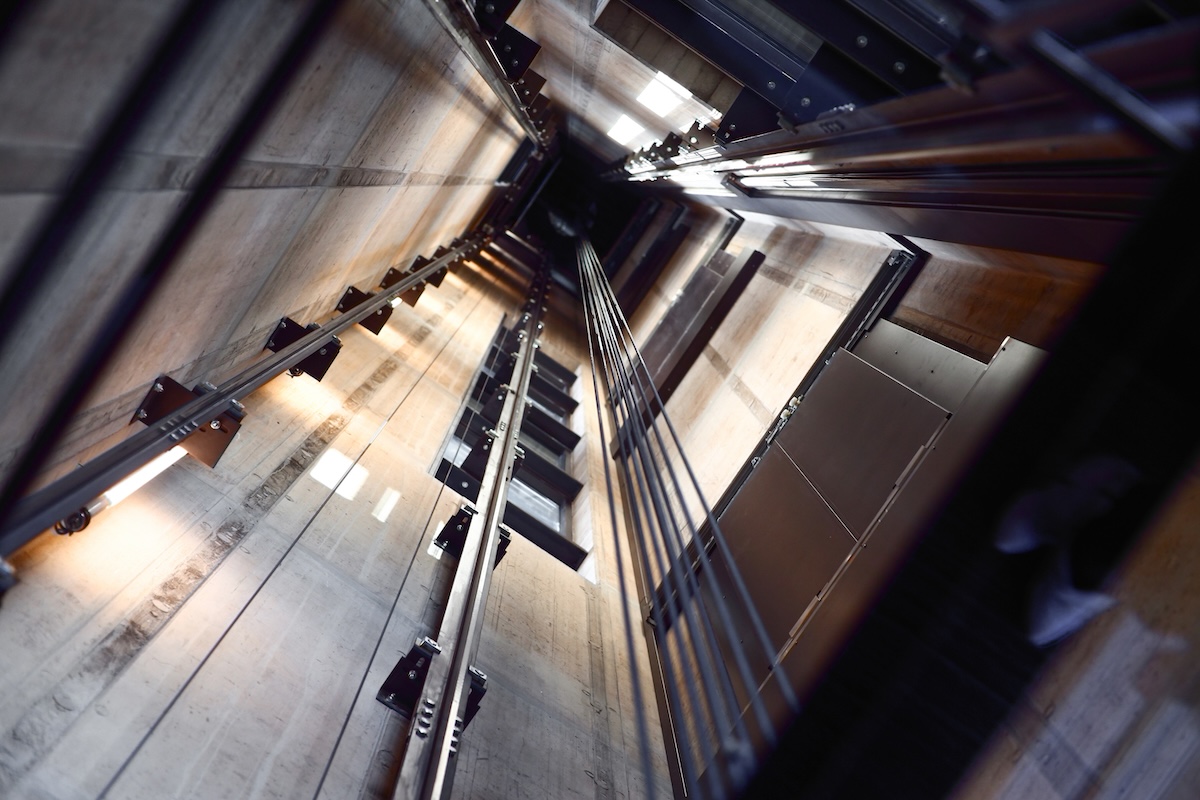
{"type": "Point", "coordinates": [394, 276]}
{"type": "Point", "coordinates": [528, 87]}
{"type": "Point", "coordinates": [208, 441]}
{"type": "Point", "coordinates": [474, 695]}
{"type": "Point", "coordinates": [492, 14]}
{"type": "Point", "coordinates": [453, 534]}
{"type": "Point", "coordinates": [404, 683]}
{"type": "Point", "coordinates": [514, 50]}
{"type": "Point", "coordinates": [288, 331]}
{"type": "Point", "coordinates": [354, 297]}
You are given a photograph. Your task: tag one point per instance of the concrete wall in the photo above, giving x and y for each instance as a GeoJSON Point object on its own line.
{"type": "Point", "coordinates": [384, 147]}
{"type": "Point", "coordinates": [223, 632]}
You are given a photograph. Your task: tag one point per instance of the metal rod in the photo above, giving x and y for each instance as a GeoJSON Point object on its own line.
{"type": "Point", "coordinates": [718, 537]}
{"type": "Point", "coordinates": [427, 767]}
{"type": "Point", "coordinates": [719, 693]}
{"type": "Point", "coordinates": [38, 511]}
{"type": "Point", "coordinates": [460, 24]}
{"type": "Point", "coordinates": [688, 767]}
{"type": "Point", "coordinates": [634, 672]}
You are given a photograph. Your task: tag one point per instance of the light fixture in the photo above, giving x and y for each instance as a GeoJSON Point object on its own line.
{"type": "Point", "coordinates": [134, 481]}
{"type": "Point", "coordinates": [663, 95]}
{"type": "Point", "coordinates": [624, 130]}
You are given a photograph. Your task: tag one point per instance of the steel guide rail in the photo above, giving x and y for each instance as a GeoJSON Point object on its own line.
{"type": "Point", "coordinates": [460, 24]}
{"type": "Point", "coordinates": [658, 533]}
{"type": "Point", "coordinates": [40, 510]}
{"type": "Point", "coordinates": [427, 767]}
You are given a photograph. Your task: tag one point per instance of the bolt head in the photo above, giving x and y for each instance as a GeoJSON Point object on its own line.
{"type": "Point", "coordinates": [141, 413]}
{"type": "Point", "coordinates": [215, 424]}
{"type": "Point", "coordinates": [861, 41]}
{"type": "Point", "coordinates": [321, 351]}
{"type": "Point", "coordinates": [806, 101]}
{"type": "Point", "coordinates": [899, 67]}
{"type": "Point", "coordinates": [770, 84]}
{"type": "Point", "coordinates": [158, 387]}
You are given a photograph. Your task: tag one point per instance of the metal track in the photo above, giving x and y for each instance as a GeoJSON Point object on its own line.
{"type": "Point", "coordinates": [460, 24]}
{"type": "Point", "coordinates": [427, 768]}
{"type": "Point", "coordinates": [40, 510]}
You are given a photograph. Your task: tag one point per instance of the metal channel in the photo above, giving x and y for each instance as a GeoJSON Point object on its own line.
{"type": "Point", "coordinates": [38, 511]}
{"type": "Point", "coordinates": [427, 768]}
{"type": "Point", "coordinates": [460, 24]}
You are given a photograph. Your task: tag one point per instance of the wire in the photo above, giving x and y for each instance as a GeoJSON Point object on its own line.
{"type": "Point", "coordinates": [653, 487]}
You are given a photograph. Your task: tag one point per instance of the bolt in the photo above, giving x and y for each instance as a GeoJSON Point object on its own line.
{"type": "Point", "coordinates": [693, 140]}
{"type": "Point", "coordinates": [321, 351]}
{"type": "Point", "coordinates": [733, 127]}
{"type": "Point", "coordinates": [805, 101]}
{"type": "Point", "coordinates": [158, 387]}
{"type": "Point", "coordinates": [340, 306]}
{"type": "Point", "coordinates": [412, 674]}
{"type": "Point", "coordinates": [215, 424]}
{"type": "Point", "coordinates": [508, 48]}
{"type": "Point", "coordinates": [861, 41]}
{"type": "Point", "coordinates": [899, 67]}
{"type": "Point", "coordinates": [770, 84]}
{"type": "Point", "coordinates": [141, 413]}
{"type": "Point", "coordinates": [489, 9]}
{"type": "Point", "coordinates": [380, 311]}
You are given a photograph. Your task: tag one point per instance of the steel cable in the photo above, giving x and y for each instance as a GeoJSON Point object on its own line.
{"type": "Point", "coordinates": [718, 537]}
{"type": "Point", "coordinates": [647, 484]}
{"type": "Point", "coordinates": [629, 401]}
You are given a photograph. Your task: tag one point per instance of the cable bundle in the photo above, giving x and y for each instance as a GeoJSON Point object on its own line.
{"type": "Point", "coordinates": [691, 621]}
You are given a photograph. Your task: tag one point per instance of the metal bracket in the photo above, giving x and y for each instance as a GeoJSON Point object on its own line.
{"type": "Point", "coordinates": [354, 297]}
{"type": "Point", "coordinates": [492, 14]}
{"type": "Point", "coordinates": [208, 442]}
{"type": "Point", "coordinates": [514, 50]}
{"type": "Point", "coordinates": [289, 331]}
{"type": "Point", "coordinates": [474, 695]}
{"type": "Point", "coordinates": [528, 87]}
{"type": "Point", "coordinates": [453, 534]}
{"type": "Point", "coordinates": [436, 278]}
{"type": "Point", "coordinates": [394, 276]}
{"type": "Point", "coordinates": [402, 688]}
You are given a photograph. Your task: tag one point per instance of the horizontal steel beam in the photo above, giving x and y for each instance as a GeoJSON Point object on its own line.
{"type": "Point", "coordinates": [40, 510]}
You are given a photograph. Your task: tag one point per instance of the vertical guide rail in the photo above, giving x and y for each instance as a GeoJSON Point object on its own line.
{"type": "Point", "coordinates": [427, 768]}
